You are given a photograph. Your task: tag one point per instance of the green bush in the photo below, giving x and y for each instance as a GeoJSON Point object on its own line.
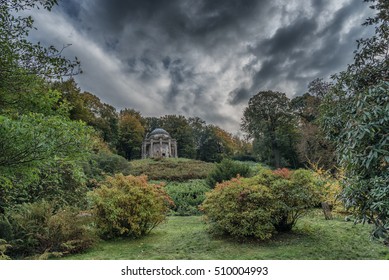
{"type": "Point", "coordinates": [226, 170]}
{"type": "Point", "coordinates": [295, 195]}
{"type": "Point", "coordinates": [4, 246]}
{"type": "Point", "coordinates": [38, 230]}
{"type": "Point", "coordinates": [128, 206]}
{"type": "Point", "coordinates": [240, 209]}
{"type": "Point", "coordinates": [258, 206]}
{"type": "Point", "coordinates": [103, 164]}
{"type": "Point", "coordinates": [187, 196]}
{"type": "Point", "coordinates": [244, 157]}
{"type": "Point", "coordinates": [63, 183]}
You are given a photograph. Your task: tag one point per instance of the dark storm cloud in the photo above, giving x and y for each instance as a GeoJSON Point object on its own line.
{"type": "Point", "coordinates": [239, 95]}
{"type": "Point", "coordinates": [178, 74]}
{"type": "Point", "coordinates": [204, 25]}
{"type": "Point", "coordinates": [289, 52]}
{"type": "Point", "coordinates": [207, 58]}
{"type": "Point", "coordinates": [191, 20]}
{"type": "Point", "coordinates": [288, 38]}
{"type": "Point", "coordinates": [71, 8]}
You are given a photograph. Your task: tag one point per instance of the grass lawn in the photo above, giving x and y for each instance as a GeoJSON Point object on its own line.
{"type": "Point", "coordinates": [186, 238]}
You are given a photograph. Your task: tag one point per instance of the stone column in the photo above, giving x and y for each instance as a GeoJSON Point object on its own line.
{"type": "Point", "coordinates": [151, 148]}
{"type": "Point", "coordinates": [143, 150]}
{"type": "Point", "coordinates": [170, 148]}
{"type": "Point", "coordinates": [160, 147]}
{"type": "Point", "coordinates": [175, 149]}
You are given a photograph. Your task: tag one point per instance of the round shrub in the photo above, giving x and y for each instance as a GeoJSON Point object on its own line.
{"type": "Point", "coordinates": [226, 170]}
{"type": "Point", "coordinates": [296, 194]}
{"type": "Point", "coordinates": [258, 206]}
{"type": "Point", "coordinates": [128, 206]}
{"type": "Point", "coordinates": [240, 209]}
{"type": "Point", "coordinates": [187, 196]}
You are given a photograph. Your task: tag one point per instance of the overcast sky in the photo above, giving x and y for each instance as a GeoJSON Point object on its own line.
{"type": "Point", "coordinates": [202, 58]}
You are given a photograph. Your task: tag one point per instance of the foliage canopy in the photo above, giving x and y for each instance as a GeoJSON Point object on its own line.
{"type": "Point", "coordinates": [355, 116]}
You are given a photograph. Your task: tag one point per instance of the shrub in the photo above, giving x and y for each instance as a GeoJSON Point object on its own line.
{"type": "Point", "coordinates": [283, 172]}
{"type": "Point", "coordinates": [105, 163]}
{"type": "Point", "coordinates": [62, 183]}
{"type": "Point", "coordinates": [4, 246]}
{"type": "Point", "coordinates": [37, 229]}
{"type": "Point", "coordinates": [5, 228]}
{"type": "Point", "coordinates": [128, 206]}
{"type": "Point", "coordinates": [294, 197]}
{"type": "Point", "coordinates": [112, 163]}
{"type": "Point", "coordinates": [262, 204]}
{"type": "Point", "coordinates": [187, 196]}
{"type": "Point", "coordinates": [240, 209]}
{"type": "Point", "coordinates": [331, 190]}
{"type": "Point", "coordinates": [226, 170]}
{"type": "Point", "coordinates": [245, 158]}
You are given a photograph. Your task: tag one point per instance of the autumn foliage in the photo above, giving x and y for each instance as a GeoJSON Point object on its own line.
{"type": "Point", "coordinates": [129, 206]}
{"type": "Point", "coordinates": [269, 202]}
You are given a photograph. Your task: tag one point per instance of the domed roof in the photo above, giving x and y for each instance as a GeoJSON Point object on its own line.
{"type": "Point", "coordinates": [158, 131]}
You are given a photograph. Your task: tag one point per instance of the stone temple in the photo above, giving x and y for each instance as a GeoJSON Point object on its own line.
{"type": "Point", "coordinates": [158, 143]}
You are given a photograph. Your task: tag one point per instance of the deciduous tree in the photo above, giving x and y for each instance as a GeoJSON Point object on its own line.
{"type": "Point", "coordinates": [312, 146]}
{"type": "Point", "coordinates": [269, 120]}
{"type": "Point", "coordinates": [131, 134]}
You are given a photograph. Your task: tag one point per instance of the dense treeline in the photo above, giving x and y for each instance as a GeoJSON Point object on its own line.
{"type": "Point", "coordinates": [284, 131]}
{"type": "Point", "coordinates": [124, 131]}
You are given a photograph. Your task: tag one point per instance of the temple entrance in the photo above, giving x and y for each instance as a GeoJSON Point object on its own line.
{"type": "Point", "coordinates": [159, 143]}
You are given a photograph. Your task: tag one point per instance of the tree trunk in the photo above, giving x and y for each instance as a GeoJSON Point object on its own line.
{"type": "Point", "coordinates": [275, 151]}
{"type": "Point", "coordinates": [326, 210]}
{"type": "Point", "coordinates": [277, 158]}
{"type": "Point", "coordinates": [283, 225]}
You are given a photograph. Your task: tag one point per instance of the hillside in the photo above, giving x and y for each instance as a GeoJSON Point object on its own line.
{"type": "Point", "coordinates": [171, 169]}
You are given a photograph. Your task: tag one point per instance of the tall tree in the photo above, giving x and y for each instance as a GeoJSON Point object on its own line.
{"type": "Point", "coordinates": [215, 144]}
{"type": "Point", "coordinates": [198, 127]}
{"type": "Point", "coordinates": [312, 146]}
{"type": "Point", "coordinates": [355, 116]}
{"type": "Point", "coordinates": [269, 120]}
{"type": "Point", "coordinates": [18, 52]}
{"type": "Point", "coordinates": [88, 108]}
{"type": "Point", "coordinates": [131, 134]}
{"type": "Point", "coordinates": [36, 136]}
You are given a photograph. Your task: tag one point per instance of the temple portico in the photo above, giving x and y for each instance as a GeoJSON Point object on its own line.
{"type": "Point", "coordinates": [158, 143]}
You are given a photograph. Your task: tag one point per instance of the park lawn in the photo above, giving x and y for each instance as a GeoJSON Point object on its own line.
{"type": "Point", "coordinates": [186, 238]}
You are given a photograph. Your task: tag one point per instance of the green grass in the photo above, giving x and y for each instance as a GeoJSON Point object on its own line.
{"type": "Point", "coordinates": [171, 169]}
{"type": "Point", "coordinates": [186, 238]}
